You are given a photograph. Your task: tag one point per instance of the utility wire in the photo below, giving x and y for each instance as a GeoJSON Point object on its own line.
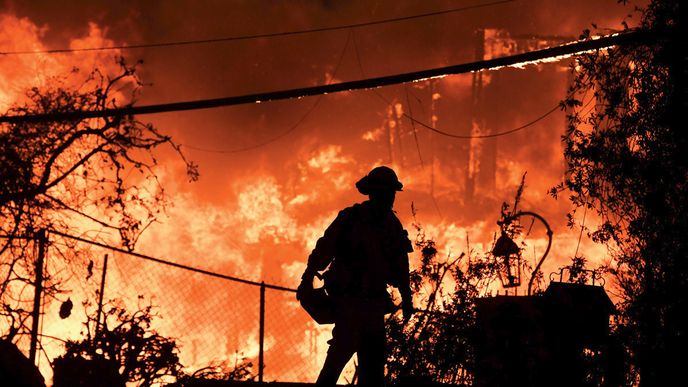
{"type": "Point", "coordinates": [169, 263]}
{"type": "Point", "coordinates": [257, 36]}
{"type": "Point", "coordinates": [413, 120]}
{"type": "Point", "coordinates": [290, 129]}
{"type": "Point", "coordinates": [635, 36]}
{"type": "Point", "coordinates": [490, 135]}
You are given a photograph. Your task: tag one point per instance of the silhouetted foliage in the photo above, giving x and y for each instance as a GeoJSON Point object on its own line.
{"type": "Point", "coordinates": [626, 160]}
{"type": "Point", "coordinates": [241, 370]}
{"type": "Point", "coordinates": [436, 344]}
{"type": "Point", "coordinates": [98, 173]}
{"type": "Point", "coordinates": [122, 348]}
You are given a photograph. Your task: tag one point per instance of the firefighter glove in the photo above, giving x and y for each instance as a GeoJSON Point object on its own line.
{"type": "Point", "coordinates": [306, 284]}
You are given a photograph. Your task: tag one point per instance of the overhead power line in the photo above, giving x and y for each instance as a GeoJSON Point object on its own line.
{"type": "Point", "coordinates": [370, 83]}
{"type": "Point", "coordinates": [291, 128]}
{"type": "Point", "coordinates": [411, 118]}
{"type": "Point", "coordinates": [169, 263]}
{"type": "Point", "coordinates": [432, 128]}
{"type": "Point", "coordinates": [257, 36]}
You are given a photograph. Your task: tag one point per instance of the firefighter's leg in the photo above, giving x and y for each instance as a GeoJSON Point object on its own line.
{"type": "Point", "coordinates": [371, 354]}
{"type": "Point", "coordinates": [342, 348]}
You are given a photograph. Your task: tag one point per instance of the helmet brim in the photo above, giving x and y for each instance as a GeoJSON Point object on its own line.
{"type": "Point", "coordinates": [367, 185]}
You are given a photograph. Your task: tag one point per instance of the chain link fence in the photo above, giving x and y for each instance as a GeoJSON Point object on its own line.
{"type": "Point", "coordinates": [215, 319]}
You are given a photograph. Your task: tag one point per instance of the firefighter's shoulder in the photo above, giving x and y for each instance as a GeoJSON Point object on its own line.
{"type": "Point", "coordinates": [401, 233]}
{"type": "Point", "coordinates": [395, 222]}
{"type": "Point", "coordinates": [349, 212]}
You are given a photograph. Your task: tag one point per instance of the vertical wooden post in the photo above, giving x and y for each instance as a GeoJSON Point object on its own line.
{"type": "Point", "coordinates": [38, 290]}
{"type": "Point", "coordinates": [261, 342]}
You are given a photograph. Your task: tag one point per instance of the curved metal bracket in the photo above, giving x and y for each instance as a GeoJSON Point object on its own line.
{"type": "Point", "coordinates": [549, 242]}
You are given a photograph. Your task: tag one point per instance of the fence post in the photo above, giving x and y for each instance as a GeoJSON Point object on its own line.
{"type": "Point", "coordinates": [38, 289]}
{"type": "Point", "coordinates": [261, 342]}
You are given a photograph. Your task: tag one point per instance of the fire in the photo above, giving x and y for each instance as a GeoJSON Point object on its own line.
{"type": "Point", "coordinates": [259, 215]}
{"type": "Point", "coordinates": [328, 158]}
{"type": "Point", "coordinates": [19, 72]}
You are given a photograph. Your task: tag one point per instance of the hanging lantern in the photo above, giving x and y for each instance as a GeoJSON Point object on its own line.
{"type": "Point", "coordinates": [506, 250]}
{"type": "Point", "coordinates": [508, 255]}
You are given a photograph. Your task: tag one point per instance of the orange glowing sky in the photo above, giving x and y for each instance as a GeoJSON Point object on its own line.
{"type": "Point", "coordinates": [256, 214]}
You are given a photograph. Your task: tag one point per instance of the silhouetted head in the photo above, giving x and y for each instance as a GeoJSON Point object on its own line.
{"type": "Point", "coordinates": [381, 185]}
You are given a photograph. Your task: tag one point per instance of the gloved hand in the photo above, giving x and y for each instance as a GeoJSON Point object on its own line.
{"type": "Point", "coordinates": [407, 309]}
{"type": "Point", "coordinates": [306, 284]}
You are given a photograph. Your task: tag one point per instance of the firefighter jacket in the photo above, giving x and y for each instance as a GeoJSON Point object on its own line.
{"type": "Point", "coordinates": [366, 249]}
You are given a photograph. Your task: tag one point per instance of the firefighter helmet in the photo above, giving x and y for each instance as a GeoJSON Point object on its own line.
{"type": "Point", "coordinates": [379, 178]}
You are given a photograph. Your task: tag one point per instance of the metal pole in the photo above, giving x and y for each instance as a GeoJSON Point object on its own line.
{"type": "Point", "coordinates": [261, 362]}
{"type": "Point", "coordinates": [38, 289]}
{"type": "Point", "coordinates": [100, 296]}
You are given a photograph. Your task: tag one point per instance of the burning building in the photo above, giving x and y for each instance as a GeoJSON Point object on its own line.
{"type": "Point", "coordinates": [274, 174]}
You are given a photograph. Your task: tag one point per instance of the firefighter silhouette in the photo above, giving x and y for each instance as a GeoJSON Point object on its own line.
{"type": "Point", "coordinates": [366, 248]}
